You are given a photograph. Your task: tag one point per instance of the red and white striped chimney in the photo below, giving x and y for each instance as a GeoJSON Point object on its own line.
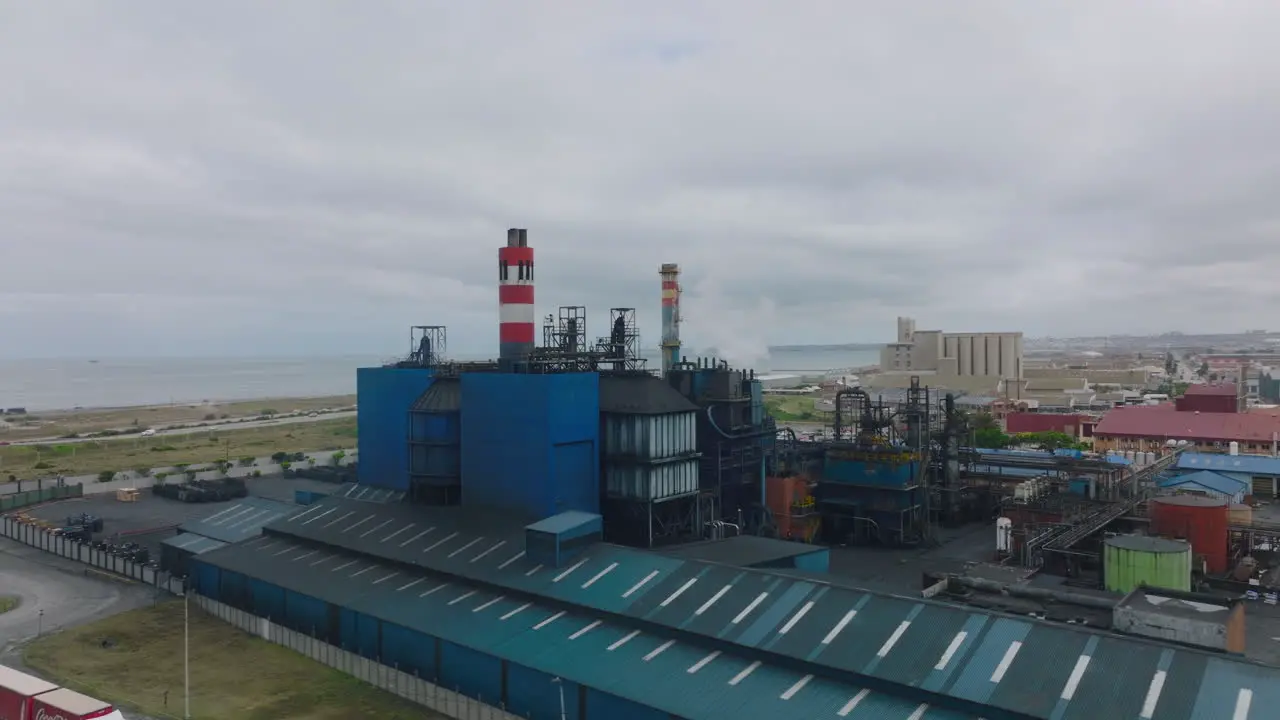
{"type": "Point", "coordinates": [515, 297]}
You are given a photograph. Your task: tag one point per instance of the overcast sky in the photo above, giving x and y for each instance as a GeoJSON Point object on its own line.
{"type": "Point", "coordinates": [277, 178]}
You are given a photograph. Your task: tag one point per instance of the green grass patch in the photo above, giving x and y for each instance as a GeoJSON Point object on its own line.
{"type": "Point", "coordinates": [135, 658]}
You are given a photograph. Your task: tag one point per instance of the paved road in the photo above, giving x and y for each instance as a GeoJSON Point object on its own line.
{"type": "Point", "coordinates": [60, 590]}
{"type": "Point", "coordinates": [211, 426]}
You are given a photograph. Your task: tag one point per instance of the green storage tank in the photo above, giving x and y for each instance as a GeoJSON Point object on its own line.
{"type": "Point", "coordinates": [1133, 560]}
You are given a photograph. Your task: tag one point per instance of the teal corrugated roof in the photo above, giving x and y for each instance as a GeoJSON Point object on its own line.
{"type": "Point", "coordinates": [194, 543]}
{"type": "Point", "coordinates": [241, 520]}
{"type": "Point", "coordinates": [561, 522]}
{"type": "Point", "coordinates": [687, 679]}
{"type": "Point", "coordinates": [959, 655]}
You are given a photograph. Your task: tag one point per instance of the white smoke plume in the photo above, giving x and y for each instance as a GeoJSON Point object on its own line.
{"type": "Point", "coordinates": [731, 330]}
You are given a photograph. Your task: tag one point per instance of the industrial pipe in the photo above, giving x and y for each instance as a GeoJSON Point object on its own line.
{"type": "Point", "coordinates": [1032, 593]}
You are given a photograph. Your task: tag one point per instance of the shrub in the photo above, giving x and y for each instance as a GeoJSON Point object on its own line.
{"type": "Point", "coordinates": [42, 465]}
{"type": "Point", "coordinates": [247, 461]}
{"type": "Point", "coordinates": [106, 475]}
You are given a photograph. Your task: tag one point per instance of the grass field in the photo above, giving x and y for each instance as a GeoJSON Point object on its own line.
{"type": "Point", "coordinates": [233, 675]}
{"type": "Point", "coordinates": [61, 423]}
{"type": "Point", "coordinates": [7, 603]}
{"type": "Point", "coordinates": [792, 408]}
{"type": "Point", "coordinates": [132, 453]}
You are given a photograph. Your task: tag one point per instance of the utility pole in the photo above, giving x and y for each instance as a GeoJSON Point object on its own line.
{"type": "Point", "coordinates": [186, 651]}
{"type": "Point", "coordinates": [560, 686]}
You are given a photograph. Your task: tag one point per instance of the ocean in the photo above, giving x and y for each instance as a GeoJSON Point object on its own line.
{"type": "Point", "coordinates": [117, 382]}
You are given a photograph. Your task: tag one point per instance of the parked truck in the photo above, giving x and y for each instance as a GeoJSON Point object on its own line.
{"type": "Point", "coordinates": [26, 697]}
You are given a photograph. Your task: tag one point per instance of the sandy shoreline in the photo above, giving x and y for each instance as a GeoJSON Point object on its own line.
{"type": "Point", "coordinates": [85, 420]}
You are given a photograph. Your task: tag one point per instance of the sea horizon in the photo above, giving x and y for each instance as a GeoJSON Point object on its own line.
{"type": "Point", "coordinates": [60, 384]}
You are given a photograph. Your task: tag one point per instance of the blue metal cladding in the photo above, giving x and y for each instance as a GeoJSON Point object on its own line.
{"type": "Point", "coordinates": [409, 651]}
{"type": "Point", "coordinates": [368, 636]}
{"type": "Point", "coordinates": [439, 452]}
{"type": "Point", "coordinates": [384, 396]}
{"type": "Point", "coordinates": [268, 599]}
{"type": "Point", "coordinates": [530, 442]}
{"type": "Point", "coordinates": [472, 673]}
{"type": "Point", "coordinates": [537, 697]}
{"type": "Point", "coordinates": [859, 472]}
{"type": "Point", "coordinates": [818, 561]}
{"type": "Point", "coordinates": [305, 613]}
{"type": "Point", "coordinates": [206, 579]}
{"type": "Point", "coordinates": [612, 707]}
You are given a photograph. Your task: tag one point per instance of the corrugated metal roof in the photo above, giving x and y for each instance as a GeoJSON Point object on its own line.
{"type": "Point", "coordinates": [243, 519]}
{"type": "Point", "coordinates": [683, 678]}
{"type": "Point", "coordinates": [193, 543]}
{"type": "Point", "coordinates": [641, 395]}
{"type": "Point", "coordinates": [1167, 422]}
{"type": "Point", "coordinates": [742, 550]}
{"type": "Point", "coordinates": [1208, 480]}
{"type": "Point", "coordinates": [369, 493]}
{"type": "Point", "coordinates": [444, 395]}
{"type": "Point", "coordinates": [561, 522]}
{"type": "Point", "coordinates": [960, 654]}
{"type": "Point", "coordinates": [1250, 464]}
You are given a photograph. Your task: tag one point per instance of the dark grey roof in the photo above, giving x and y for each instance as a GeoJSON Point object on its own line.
{"type": "Point", "coordinates": [641, 395]}
{"type": "Point", "coordinates": [743, 550]}
{"type": "Point", "coordinates": [444, 395]}
{"type": "Point", "coordinates": [243, 519]}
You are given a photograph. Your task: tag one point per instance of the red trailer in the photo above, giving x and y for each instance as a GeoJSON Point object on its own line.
{"type": "Point", "coordinates": [26, 697]}
{"type": "Point", "coordinates": [64, 704]}
{"type": "Point", "coordinates": [17, 693]}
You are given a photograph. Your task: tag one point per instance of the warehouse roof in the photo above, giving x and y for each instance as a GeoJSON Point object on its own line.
{"type": "Point", "coordinates": [697, 681]}
{"type": "Point", "coordinates": [194, 543]}
{"type": "Point", "coordinates": [1207, 479]}
{"type": "Point", "coordinates": [243, 519]}
{"type": "Point", "coordinates": [742, 550]}
{"type": "Point", "coordinates": [959, 655]}
{"type": "Point", "coordinates": [1249, 464]}
{"type": "Point", "coordinates": [641, 395]}
{"type": "Point", "coordinates": [368, 493]}
{"type": "Point", "coordinates": [1165, 421]}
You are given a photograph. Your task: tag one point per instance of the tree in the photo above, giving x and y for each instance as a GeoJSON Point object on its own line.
{"type": "Point", "coordinates": [992, 438]}
{"type": "Point", "coordinates": [1204, 369]}
{"type": "Point", "coordinates": [983, 421]}
{"type": "Point", "coordinates": [1170, 365]}
{"type": "Point", "coordinates": [1048, 441]}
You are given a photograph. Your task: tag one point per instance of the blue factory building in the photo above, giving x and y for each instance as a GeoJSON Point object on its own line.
{"type": "Point", "coordinates": [472, 602]}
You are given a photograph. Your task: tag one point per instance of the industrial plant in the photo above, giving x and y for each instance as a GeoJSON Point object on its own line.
{"type": "Point", "coordinates": [564, 532]}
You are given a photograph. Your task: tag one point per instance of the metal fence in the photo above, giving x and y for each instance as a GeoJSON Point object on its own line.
{"type": "Point", "coordinates": [42, 538]}
{"type": "Point", "coordinates": [448, 702]}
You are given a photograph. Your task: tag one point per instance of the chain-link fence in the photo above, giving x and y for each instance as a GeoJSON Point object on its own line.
{"type": "Point", "coordinates": [448, 702]}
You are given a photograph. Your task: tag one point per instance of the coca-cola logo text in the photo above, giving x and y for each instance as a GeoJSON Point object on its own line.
{"type": "Point", "coordinates": [42, 714]}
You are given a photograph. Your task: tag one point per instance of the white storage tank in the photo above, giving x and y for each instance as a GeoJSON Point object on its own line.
{"type": "Point", "coordinates": [1004, 534]}
{"type": "Point", "coordinates": [1128, 455]}
{"type": "Point", "coordinates": [1233, 448]}
{"type": "Point", "coordinates": [1151, 458]}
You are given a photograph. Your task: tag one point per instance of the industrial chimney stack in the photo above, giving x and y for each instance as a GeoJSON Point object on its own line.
{"type": "Point", "coordinates": [670, 274]}
{"type": "Point", "coordinates": [516, 315]}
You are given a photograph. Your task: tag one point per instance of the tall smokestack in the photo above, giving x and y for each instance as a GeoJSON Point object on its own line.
{"type": "Point", "coordinates": [670, 274]}
{"type": "Point", "coordinates": [515, 297]}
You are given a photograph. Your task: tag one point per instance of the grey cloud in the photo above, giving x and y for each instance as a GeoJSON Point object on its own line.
{"type": "Point", "coordinates": [311, 175]}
